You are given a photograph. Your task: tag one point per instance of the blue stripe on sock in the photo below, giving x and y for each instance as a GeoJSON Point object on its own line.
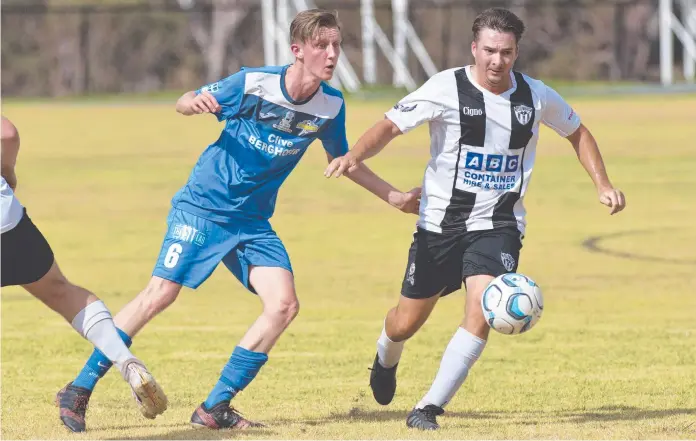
{"type": "Point", "coordinates": [97, 366]}
{"type": "Point", "coordinates": [239, 371]}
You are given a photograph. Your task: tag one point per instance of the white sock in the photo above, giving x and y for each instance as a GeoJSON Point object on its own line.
{"type": "Point", "coordinates": [461, 354]}
{"type": "Point", "coordinates": [96, 325]}
{"type": "Point", "coordinates": [388, 352]}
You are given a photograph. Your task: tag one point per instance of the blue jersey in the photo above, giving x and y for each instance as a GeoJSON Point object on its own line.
{"type": "Point", "coordinates": [266, 133]}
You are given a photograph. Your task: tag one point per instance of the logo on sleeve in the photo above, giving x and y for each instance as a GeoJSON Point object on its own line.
{"type": "Point", "coordinates": [404, 108]}
{"type": "Point", "coordinates": [212, 88]}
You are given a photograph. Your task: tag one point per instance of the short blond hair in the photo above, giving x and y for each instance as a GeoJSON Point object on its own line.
{"type": "Point", "coordinates": [307, 23]}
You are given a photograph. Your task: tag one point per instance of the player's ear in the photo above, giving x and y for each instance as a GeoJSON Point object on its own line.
{"type": "Point", "coordinates": [297, 51]}
{"type": "Point", "coordinates": [473, 48]}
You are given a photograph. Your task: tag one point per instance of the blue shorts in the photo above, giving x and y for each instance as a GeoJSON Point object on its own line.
{"type": "Point", "coordinates": [194, 246]}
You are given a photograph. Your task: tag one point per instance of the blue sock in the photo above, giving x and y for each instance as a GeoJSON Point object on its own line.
{"type": "Point", "coordinates": [97, 366]}
{"type": "Point", "coordinates": [236, 375]}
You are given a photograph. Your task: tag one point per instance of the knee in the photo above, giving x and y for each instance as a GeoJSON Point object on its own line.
{"type": "Point", "coordinates": [402, 328]}
{"type": "Point", "coordinates": [284, 311]}
{"type": "Point", "coordinates": [9, 131]}
{"type": "Point", "coordinates": [475, 322]}
{"type": "Point", "coordinates": [157, 296]}
{"type": "Point", "coordinates": [56, 284]}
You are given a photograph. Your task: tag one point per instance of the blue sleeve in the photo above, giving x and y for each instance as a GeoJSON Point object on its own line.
{"type": "Point", "coordinates": [334, 137]}
{"type": "Point", "coordinates": [228, 92]}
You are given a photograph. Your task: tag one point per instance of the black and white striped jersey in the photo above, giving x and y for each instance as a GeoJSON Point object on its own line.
{"type": "Point", "coordinates": [482, 147]}
{"type": "Point", "coordinates": [11, 211]}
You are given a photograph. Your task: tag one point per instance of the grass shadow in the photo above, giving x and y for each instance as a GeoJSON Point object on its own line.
{"type": "Point", "coordinates": [203, 434]}
{"type": "Point", "coordinates": [604, 413]}
{"type": "Point", "coordinates": [623, 413]}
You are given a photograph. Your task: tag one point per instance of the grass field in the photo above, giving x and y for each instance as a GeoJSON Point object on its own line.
{"type": "Point", "coordinates": [613, 357]}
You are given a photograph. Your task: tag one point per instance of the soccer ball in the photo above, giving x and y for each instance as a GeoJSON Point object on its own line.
{"type": "Point", "coordinates": [512, 303]}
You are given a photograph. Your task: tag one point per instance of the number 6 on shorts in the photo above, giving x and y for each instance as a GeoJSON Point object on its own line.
{"type": "Point", "coordinates": [172, 256]}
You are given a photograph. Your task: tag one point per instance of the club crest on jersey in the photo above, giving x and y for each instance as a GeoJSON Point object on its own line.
{"type": "Point", "coordinates": [523, 114]}
{"type": "Point", "coordinates": [307, 126]}
{"type": "Point", "coordinates": [285, 124]}
{"type": "Point", "coordinates": [508, 261]}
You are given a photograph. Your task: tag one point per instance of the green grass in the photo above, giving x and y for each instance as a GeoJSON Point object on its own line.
{"type": "Point", "coordinates": [613, 357]}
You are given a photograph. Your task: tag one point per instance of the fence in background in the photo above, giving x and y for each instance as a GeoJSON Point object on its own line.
{"type": "Point", "coordinates": [54, 48]}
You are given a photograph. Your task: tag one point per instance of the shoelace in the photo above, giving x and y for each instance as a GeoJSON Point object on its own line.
{"type": "Point", "coordinates": [225, 413]}
{"type": "Point", "coordinates": [431, 412]}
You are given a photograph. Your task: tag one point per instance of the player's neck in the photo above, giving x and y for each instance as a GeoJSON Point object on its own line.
{"type": "Point", "coordinates": [299, 84]}
{"type": "Point", "coordinates": [482, 81]}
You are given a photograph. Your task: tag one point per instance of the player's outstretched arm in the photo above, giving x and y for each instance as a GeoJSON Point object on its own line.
{"type": "Point", "coordinates": [191, 103]}
{"type": "Point", "coordinates": [10, 150]}
{"type": "Point", "coordinates": [588, 153]}
{"type": "Point", "coordinates": [369, 144]}
{"type": "Point", "coordinates": [408, 202]}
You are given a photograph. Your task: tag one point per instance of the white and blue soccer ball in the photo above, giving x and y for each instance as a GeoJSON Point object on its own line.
{"type": "Point", "coordinates": [512, 303]}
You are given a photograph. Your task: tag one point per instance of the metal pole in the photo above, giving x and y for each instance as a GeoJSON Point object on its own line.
{"type": "Point", "coordinates": [688, 11]}
{"type": "Point", "coordinates": [85, 17]}
{"type": "Point", "coordinates": [367, 17]}
{"type": "Point", "coordinates": [666, 59]}
{"type": "Point", "coordinates": [283, 30]}
{"type": "Point", "coordinates": [269, 32]}
{"type": "Point", "coordinates": [400, 19]}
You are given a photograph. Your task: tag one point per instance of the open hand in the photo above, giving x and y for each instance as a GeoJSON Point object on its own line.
{"type": "Point", "coordinates": [341, 165]}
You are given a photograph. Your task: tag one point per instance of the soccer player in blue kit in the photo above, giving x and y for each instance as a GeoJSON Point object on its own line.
{"type": "Point", "coordinates": [271, 115]}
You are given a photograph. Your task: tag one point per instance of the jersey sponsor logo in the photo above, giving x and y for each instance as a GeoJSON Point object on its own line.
{"type": "Point", "coordinates": [212, 88]}
{"type": "Point", "coordinates": [275, 145]}
{"type": "Point", "coordinates": [267, 115]}
{"type": "Point", "coordinates": [307, 126]}
{"type": "Point", "coordinates": [187, 233]}
{"type": "Point", "coordinates": [489, 171]}
{"type": "Point", "coordinates": [404, 108]}
{"type": "Point", "coordinates": [285, 124]}
{"type": "Point", "coordinates": [492, 163]}
{"type": "Point", "coordinates": [471, 111]}
{"type": "Point", "coordinates": [523, 114]}
{"type": "Point", "coordinates": [507, 260]}
{"type": "Point", "coordinates": [572, 113]}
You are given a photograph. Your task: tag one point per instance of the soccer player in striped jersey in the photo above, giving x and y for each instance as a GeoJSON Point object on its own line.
{"type": "Point", "coordinates": [27, 260]}
{"type": "Point", "coordinates": [271, 114]}
{"type": "Point", "coordinates": [484, 126]}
